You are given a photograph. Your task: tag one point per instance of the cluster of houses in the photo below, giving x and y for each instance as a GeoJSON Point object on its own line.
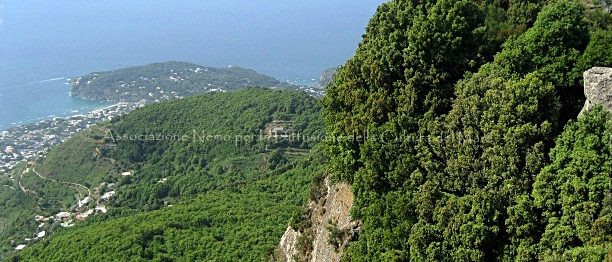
{"type": "Point", "coordinates": [27, 142]}
{"type": "Point", "coordinates": [39, 235]}
{"type": "Point", "coordinates": [67, 219]}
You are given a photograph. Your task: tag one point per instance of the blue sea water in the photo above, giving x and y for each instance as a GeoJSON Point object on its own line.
{"type": "Point", "coordinates": [44, 43]}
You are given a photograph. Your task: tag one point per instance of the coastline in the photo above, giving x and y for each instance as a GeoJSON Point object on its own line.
{"type": "Point", "coordinates": [43, 107]}
{"type": "Point", "coordinates": [26, 142]}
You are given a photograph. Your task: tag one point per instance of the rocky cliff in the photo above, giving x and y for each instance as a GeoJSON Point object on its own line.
{"type": "Point", "coordinates": [329, 228]}
{"type": "Point", "coordinates": [327, 77]}
{"type": "Point", "coordinates": [598, 88]}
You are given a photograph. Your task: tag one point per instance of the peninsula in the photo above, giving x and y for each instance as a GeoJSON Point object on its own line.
{"type": "Point", "coordinates": [172, 80]}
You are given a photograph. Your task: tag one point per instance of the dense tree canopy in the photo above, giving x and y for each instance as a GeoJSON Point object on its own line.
{"type": "Point", "coordinates": [574, 192]}
{"type": "Point", "coordinates": [444, 150]}
{"type": "Point", "coordinates": [454, 123]}
{"type": "Point", "coordinates": [227, 198]}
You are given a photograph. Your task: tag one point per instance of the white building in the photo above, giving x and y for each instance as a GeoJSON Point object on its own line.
{"type": "Point", "coordinates": [107, 195]}
{"type": "Point", "coordinates": [85, 201]}
{"type": "Point", "coordinates": [62, 215]}
{"type": "Point", "coordinates": [101, 209]}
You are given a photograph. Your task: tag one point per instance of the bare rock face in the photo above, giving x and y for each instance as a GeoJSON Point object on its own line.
{"type": "Point", "coordinates": [598, 88]}
{"type": "Point", "coordinates": [331, 230]}
{"type": "Point", "coordinates": [336, 218]}
{"type": "Point", "coordinates": [327, 77]}
{"type": "Point", "coordinates": [289, 244]}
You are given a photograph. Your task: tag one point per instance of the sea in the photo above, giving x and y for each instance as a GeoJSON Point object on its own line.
{"type": "Point", "coordinates": [45, 43]}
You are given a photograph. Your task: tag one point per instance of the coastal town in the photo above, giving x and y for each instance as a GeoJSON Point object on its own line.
{"type": "Point", "coordinates": [20, 146]}
{"type": "Point", "coordinates": [27, 142]}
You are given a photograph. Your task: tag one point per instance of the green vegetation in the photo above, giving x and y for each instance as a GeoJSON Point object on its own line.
{"type": "Point", "coordinates": [454, 160]}
{"type": "Point", "coordinates": [241, 223]}
{"type": "Point", "coordinates": [163, 81]}
{"type": "Point", "coordinates": [25, 195]}
{"type": "Point", "coordinates": [189, 198]}
{"type": "Point", "coordinates": [79, 160]}
{"type": "Point", "coordinates": [336, 235]}
{"type": "Point", "coordinates": [454, 124]}
{"type": "Point", "coordinates": [16, 218]}
{"type": "Point", "coordinates": [50, 195]}
{"type": "Point", "coordinates": [573, 194]}
{"type": "Point", "coordinates": [15, 206]}
{"type": "Point", "coordinates": [222, 135]}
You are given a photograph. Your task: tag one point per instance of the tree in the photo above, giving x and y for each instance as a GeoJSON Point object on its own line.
{"type": "Point", "coordinates": [405, 67]}
{"type": "Point", "coordinates": [276, 158]}
{"type": "Point", "coordinates": [442, 160]}
{"type": "Point", "coordinates": [553, 47]}
{"type": "Point", "coordinates": [574, 192]}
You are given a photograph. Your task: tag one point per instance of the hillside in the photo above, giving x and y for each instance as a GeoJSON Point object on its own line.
{"type": "Point", "coordinates": [481, 157]}
{"type": "Point", "coordinates": [169, 80]}
{"type": "Point", "coordinates": [231, 198]}
{"type": "Point", "coordinates": [455, 133]}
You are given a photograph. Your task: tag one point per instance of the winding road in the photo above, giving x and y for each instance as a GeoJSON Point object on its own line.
{"type": "Point", "coordinates": [69, 184]}
{"type": "Point", "coordinates": [61, 182]}
{"type": "Point", "coordinates": [23, 189]}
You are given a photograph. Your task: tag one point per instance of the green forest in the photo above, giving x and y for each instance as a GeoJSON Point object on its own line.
{"type": "Point", "coordinates": [188, 199]}
{"type": "Point", "coordinates": [457, 125]}
{"type": "Point", "coordinates": [480, 156]}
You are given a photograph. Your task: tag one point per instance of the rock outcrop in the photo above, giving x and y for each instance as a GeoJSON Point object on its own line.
{"type": "Point", "coordinates": [330, 231]}
{"type": "Point", "coordinates": [598, 88]}
{"type": "Point", "coordinates": [289, 245]}
{"type": "Point", "coordinates": [327, 77]}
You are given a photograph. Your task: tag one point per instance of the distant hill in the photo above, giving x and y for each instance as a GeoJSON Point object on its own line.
{"type": "Point", "coordinates": [170, 80]}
